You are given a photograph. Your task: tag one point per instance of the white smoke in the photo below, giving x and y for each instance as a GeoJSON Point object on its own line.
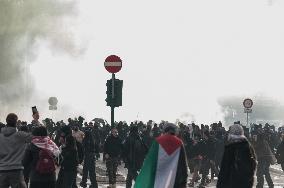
{"type": "Point", "coordinates": [25, 24]}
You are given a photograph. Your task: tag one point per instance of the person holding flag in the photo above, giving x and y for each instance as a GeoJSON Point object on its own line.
{"type": "Point", "coordinates": [165, 164]}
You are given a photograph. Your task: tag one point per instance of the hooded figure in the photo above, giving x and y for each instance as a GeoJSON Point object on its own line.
{"type": "Point", "coordinates": [264, 157]}
{"type": "Point", "coordinates": [238, 163]}
{"type": "Point", "coordinates": [41, 143]}
{"type": "Point", "coordinates": [89, 167]}
{"type": "Point", "coordinates": [165, 164]}
{"type": "Point", "coordinates": [13, 144]}
{"type": "Point", "coordinates": [134, 152]}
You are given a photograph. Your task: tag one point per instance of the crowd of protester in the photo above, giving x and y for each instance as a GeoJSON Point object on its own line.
{"type": "Point", "coordinates": [31, 152]}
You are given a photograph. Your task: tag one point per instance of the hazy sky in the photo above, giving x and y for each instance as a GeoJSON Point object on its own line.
{"type": "Point", "coordinates": [179, 57]}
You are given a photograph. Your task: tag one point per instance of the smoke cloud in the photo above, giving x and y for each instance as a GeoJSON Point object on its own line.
{"type": "Point", "coordinates": [265, 110]}
{"type": "Point", "coordinates": [24, 25]}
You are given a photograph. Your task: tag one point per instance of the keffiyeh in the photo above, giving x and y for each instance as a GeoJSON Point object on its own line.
{"type": "Point", "coordinates": [44, 142]}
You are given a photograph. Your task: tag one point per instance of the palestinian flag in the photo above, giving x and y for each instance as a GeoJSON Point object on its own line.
{"type": "Point", "coordinates": [165, 165]}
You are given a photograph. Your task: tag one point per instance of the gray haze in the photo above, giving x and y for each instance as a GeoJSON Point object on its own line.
{"type": "Point", "coordinates": [24, 24]}
{"type": "Point", "coordinates": [179, 58]}
{"type": "Point", "coordinates": [265, 109]}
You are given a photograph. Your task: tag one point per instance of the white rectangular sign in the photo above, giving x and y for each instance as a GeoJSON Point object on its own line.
{"type": "Point", "coordinates": [247, 110]}
{"type": "Point", "coordinates": [52, 107]}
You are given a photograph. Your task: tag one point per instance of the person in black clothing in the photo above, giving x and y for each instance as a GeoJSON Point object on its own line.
{"type": "Point", "coordinates": [67, 131]}
{"type": "Point", "coordinates": [97, 137]}
{"type": "Point", "coordinates": [220, 145]}
{"type": "Point", "coordinates": [112, 150]}
{"type": "Point", "coordinates": [280, 153]}
{"type": "Point", "coordinates": [208, 155]}
{"type": "Point", "coordinates": [156, 131]}
{"type": "Point", "coordinates": [264, 156]}
{"type": "Point", "coordinates": [238, 163]}
{"type": "Point", "coordinates": [146, 136]}
{"type": "Point", "coordinates": [194, 156]}
{"type": "Point", "coordinates": [70, 161]}
{"type": "Point", "coordinates": [134, 152]}
{"type": "Point", "coordinates": [40, 141]}
{"type": "Point", "coordinates": [90, 149]}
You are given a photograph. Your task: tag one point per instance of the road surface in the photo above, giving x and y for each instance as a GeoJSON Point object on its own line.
{"type": "Point", "coordinates": [276, 174]}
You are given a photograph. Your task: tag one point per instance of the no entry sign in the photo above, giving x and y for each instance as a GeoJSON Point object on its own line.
{"type": "Point", "coordinates": [113, 64]}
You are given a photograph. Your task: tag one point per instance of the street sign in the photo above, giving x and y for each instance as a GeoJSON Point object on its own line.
{"type": "Point", "coordinates": [52, 101]}
{"type": "Point", "coordinates": [247, 110]}
{"type": "Point", "coordinates": [248, 103]}
{"type": "Point", "coordinates": [52, 107]}
{"type": "Point", "coordinates": [113, 64]}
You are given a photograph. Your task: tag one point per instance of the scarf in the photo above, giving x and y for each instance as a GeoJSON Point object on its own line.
{"type": "Point", "coordinates": [44, 142]}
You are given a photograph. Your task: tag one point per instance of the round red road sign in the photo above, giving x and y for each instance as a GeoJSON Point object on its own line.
{"type": "Point", "coordinates": [113, 64]}
{"type": "Point", "coordinates": [247, 103]}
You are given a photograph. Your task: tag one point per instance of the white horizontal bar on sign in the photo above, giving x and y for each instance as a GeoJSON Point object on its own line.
{"type": "Point", "coordinates": [113, 64]}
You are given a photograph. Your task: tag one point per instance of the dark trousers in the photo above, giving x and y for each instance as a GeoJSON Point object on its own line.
{"type": "Point", "coordinates": [214, 169]}
{"type": "Point", "coordinates": [204, 170]}
{"type": "Point", "coordinates": [49, 184]}
{"type": "Point", "coordinates": [112, 164]}
{"type": "Point", "coordinates": [263, 170]}
{"type": "Point", "coordinates": [66, 178]}
{"type": "Point", "coordinates": [26, 173]}
{"type": "Point", "coordinates": [15, 179]}
{"type": "Point", "coordinates": [131, 175]}
{"type": "Point", "coordinates": [89, 169]}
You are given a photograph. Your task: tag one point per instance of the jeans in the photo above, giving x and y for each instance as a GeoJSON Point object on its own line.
{"type": "Point", "coordinates": [15, 179]}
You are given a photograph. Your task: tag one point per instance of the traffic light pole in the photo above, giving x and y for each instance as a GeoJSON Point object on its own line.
{"type": "Point", "coordinates": [112, 98]}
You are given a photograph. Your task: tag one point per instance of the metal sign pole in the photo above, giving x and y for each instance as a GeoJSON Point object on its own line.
{"type": "Point", "coordinates": [112, 104]}
{"type": "Point", "coordinates": [247, 119]}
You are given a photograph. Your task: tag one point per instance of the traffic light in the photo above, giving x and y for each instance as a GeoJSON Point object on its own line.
{"type": "Point", "coordinates": [108, 92]}
{"type": "Point", "coordinates": [117, 101]}
{"type": "Point", "coordinates": [118, 84]}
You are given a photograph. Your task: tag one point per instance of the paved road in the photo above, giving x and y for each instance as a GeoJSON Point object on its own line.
{"type": "Point", "coordinates": [277, 177]}
{"type": "Point", "coordinates": [276, 173]}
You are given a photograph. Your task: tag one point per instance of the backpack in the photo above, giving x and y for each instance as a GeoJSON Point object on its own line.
{"type": "Point", "coordinates": [45, 163]}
